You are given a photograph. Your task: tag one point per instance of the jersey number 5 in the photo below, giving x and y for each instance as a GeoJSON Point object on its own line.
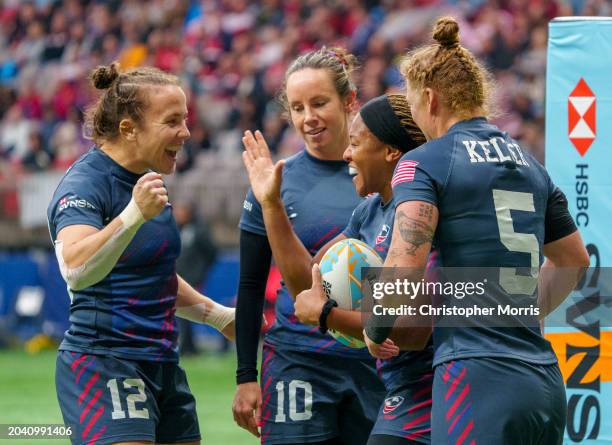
{"type": "Point", "coordinates": [504, 202]}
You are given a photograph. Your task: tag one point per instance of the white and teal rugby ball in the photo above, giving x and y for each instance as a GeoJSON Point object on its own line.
{"type": "Point", "coordinates": [341, 274]}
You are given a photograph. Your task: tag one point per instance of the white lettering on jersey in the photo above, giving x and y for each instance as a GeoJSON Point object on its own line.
{"type": "Point", "coordinates": [470, 147]}
{"type": "Point", "coordinates": [248, 206]}
{"type": "Point", "coordinates": [520, 152]}
{"type": "Point", "coordinates": [491, 151]}
{"type": "Point", "coordinates": [74, 202]}
{"type": "Point", "coordinates": [485, 148]}
{"type": "Point", "coordinates": [500, 155]}
{"type": "Point", "coordinates": [513, 154]}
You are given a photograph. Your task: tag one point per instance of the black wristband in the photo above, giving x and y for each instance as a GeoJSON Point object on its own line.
{"type": "Point", "coordinates": [327, 307]}
{"type": "Point", "coordinates": [378, 327]}
{"type": "Point", "coordinates": [246, 376]}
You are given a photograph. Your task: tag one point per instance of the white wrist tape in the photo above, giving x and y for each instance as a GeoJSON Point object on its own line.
{"type": "Point", "coordinates": [132, 216]}
{"type": "Point", "coordinates": [211, 313]}
{"type": "Point", "coordinates": [102, 262]}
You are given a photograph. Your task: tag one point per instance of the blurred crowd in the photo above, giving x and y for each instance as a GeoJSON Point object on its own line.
{"type": "Point", "coordinates": [231, 56]}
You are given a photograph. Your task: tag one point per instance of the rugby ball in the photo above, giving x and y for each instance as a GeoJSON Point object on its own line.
{"type": "Point", "coordinates": [341, 275]}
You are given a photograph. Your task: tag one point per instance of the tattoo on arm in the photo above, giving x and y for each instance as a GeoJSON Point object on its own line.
{"type": "Point", "coordinates": [426, 211]}
{"type": "Point", "coordinates": [415, 232]}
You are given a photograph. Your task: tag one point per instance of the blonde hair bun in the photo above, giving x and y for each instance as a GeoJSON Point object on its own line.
{"type": "Point", "coordinates": [446, 32]}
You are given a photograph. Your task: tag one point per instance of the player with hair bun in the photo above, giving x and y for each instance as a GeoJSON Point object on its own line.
{"type": "Point", "coordinates": [313, 388]}
{"type": "Point", "coordinates": [483, 202]}
{"type": "Point", "coordinates": [117, 377]}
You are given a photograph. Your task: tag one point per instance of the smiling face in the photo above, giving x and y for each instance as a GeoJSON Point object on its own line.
{"type": "Point", "coordinates": [317, 112]}
{"type": "Point", "coordinates": [371, 162]}
{"type": "Point", "coordinates": [163, 129]}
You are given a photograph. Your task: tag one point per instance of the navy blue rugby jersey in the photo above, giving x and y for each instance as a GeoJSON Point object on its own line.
{"type": "Point", "coordinates": [492, 199]}
{"type": "Point", "coordinates": [372, 223]}
{"type": "Point", "coordinates": [130, 313]}
{"type": "Point", "coordinates": [319, 198]}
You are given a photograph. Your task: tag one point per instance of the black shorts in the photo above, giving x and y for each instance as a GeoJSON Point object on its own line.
{"type": "Point", "coordinates": [106, 400]}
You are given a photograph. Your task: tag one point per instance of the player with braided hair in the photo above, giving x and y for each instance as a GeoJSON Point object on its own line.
{"type": "Point", "coordinates": [380, 133]}
{"type": "Point", "coordinates": [116, 241]}
{"type": "Point", "coordinates": [483, 202]}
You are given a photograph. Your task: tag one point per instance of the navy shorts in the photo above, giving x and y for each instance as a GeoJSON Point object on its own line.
{"type": "Point", "coordinates": [498, 401]}
{"type": "Point", "coordinates": [107, 400]}
{"type": "Point", "coordinates": [406, 411]}
{"type": "Point", "coordinates": [311, 397]}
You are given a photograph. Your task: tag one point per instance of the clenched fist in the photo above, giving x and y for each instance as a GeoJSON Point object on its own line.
{"type": "Point", "coordinates": [150, 195]}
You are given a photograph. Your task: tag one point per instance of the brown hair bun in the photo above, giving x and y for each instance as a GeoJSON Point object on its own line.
{"type": "Point", "coordinates": [104, 76]}
{"type": "Point", "coordinates": [446, 32]}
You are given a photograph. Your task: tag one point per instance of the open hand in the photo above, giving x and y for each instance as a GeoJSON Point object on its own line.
{"type": "Point", "coordinates": [265, 176]}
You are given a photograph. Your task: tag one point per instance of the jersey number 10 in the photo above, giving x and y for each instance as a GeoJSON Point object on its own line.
{"type": "Point", "coordinates": [294, 415]}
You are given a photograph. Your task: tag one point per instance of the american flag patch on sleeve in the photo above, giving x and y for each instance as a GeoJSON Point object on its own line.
{"type": "Point", "coordinates": [404, 172]}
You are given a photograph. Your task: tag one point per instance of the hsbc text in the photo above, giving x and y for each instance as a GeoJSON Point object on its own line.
{"type": "Point", "coordinates": [582, 195]}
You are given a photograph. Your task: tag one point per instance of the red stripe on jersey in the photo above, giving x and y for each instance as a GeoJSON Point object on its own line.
{"type": "Point", "coordinates": [85, 392]}
{"type": "Point", "coordinates": [466, 431]}
{"type": "Point", "coordinates": [96, 436]}
{"type": "Point", "coordinates": [92, 422]}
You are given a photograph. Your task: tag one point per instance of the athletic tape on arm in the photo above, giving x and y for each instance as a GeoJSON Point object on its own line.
{"type": "Point", "coordinates": [102, 262]}
{"type": "Point", "coordinates": [211, 313]}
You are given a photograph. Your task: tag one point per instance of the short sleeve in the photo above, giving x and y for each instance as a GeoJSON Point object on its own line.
{"type": "Point", "coordinates": [354, 225]}
{"type": "Point", "coordinates": [558, 222]}
{"type": "Point", "coordinates": [77, 200]}
{"type": "Point", "coordinates": [414, 178]}
{"type": "Point", "coordinates": [251, 218]}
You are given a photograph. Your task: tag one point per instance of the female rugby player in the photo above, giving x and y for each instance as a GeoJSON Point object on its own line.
{"type": "Point", "coordinates": [380, 133]}
{"type": "Point", "coordinates": [117, 376]}
{"type": "Point", "coordinates": [484, 202]}
{"type": "Point", "coordinates": [314, 389]}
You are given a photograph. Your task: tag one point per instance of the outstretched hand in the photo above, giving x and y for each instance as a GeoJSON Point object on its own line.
{"type": "Point", "coordinates": [265, 176]}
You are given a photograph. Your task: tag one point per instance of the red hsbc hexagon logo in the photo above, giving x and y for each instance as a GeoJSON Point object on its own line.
{"type": "Point", "coordinates": [581, 107]}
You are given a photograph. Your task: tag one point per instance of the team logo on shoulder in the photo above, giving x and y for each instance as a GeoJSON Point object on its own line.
{"type": "Point", "coordinates": [392, 403]}
{"type": "Point", "coordinates": [384, 233]}
{"type": "Point", "coordinates": [247, 205]}
{"type": "Point", "coordinates": [74, 202]}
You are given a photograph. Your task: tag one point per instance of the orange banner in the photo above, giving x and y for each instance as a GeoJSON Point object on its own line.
{"type": "Point", "coordinates": [602, 366]}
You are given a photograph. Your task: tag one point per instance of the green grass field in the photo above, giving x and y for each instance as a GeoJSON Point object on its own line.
{"type": "Point", "coordinates": [27, 395]}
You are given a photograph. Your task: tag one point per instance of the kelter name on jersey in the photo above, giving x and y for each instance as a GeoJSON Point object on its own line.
{"type": "Point", "coordinates": [495, 150]}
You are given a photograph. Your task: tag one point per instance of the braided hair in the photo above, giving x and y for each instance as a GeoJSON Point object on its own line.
{"type": "Point", "coordinates": [402, 111]}
{"type": "Point", "coordinates": [450, 69]}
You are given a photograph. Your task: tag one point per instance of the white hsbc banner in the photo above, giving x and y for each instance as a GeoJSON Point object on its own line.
{"type": "Point", "coordinates": [579, 160]}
